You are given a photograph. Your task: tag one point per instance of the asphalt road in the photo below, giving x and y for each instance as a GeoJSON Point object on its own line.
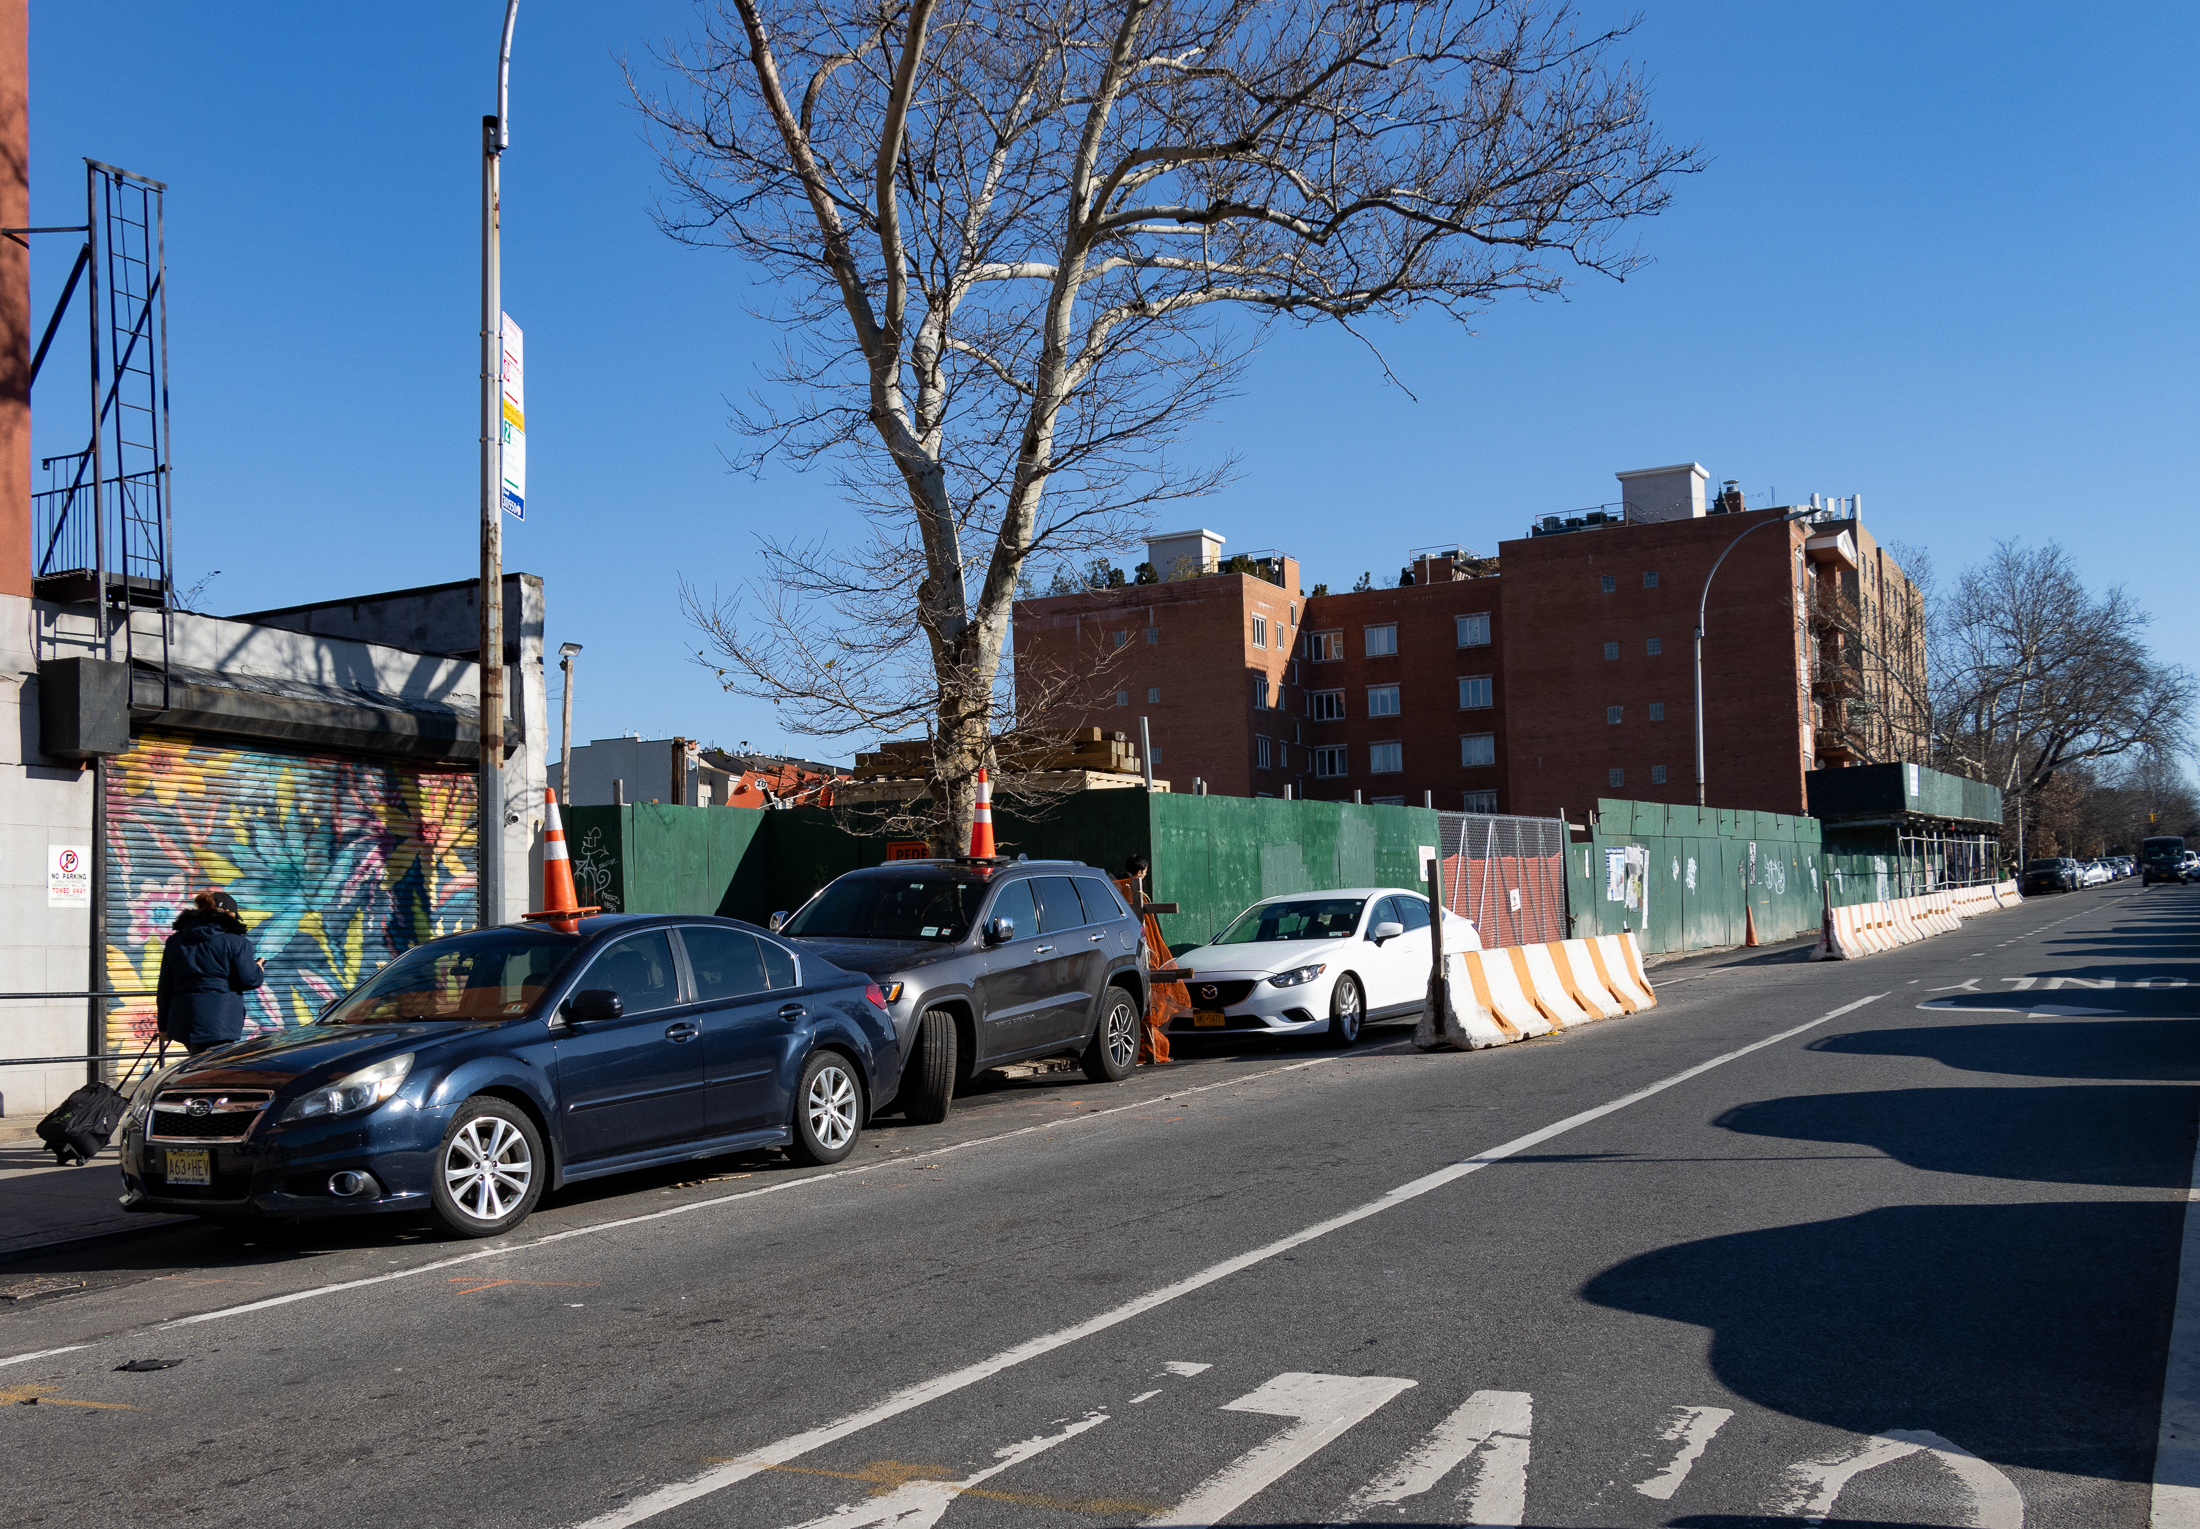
{"type": "Point", "coordinates": [1891, 1242]}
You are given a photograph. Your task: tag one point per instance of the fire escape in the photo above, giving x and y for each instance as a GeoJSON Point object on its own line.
{"type": "Point", "coordinates": [101, 528]}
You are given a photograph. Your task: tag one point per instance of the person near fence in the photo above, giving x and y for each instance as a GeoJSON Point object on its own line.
{"type": "Point", "coordinates": [205, 970]}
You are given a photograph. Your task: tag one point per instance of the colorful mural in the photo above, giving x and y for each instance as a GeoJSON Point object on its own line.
{"type": "Point", "coordinates": [339, 864]}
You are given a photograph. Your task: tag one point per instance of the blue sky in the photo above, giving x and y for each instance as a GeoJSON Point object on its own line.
{"type": "Point", "coordinates": [1942, 256]}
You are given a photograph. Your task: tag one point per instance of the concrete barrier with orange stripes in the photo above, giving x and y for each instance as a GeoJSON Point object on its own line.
{"type": "Point", "coordinates": [1518, 992]}
{"type": "Point", "coordinates": [1870, 929]}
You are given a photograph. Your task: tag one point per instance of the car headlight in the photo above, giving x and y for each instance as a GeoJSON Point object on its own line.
{"type": "Point", "coordinates": [363, 1090]}
{"type": "Point", "coordinates": [1297, 975]}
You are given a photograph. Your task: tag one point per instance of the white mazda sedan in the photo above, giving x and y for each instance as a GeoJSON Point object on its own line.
{"type": "Point", "coordinates": [1316, 963]}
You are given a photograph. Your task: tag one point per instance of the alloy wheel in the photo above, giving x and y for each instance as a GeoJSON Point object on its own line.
{"type": "Point", "coordinates": [1122, 1036]}
{"type": "Point", "coordinates": [488, 1168]}
{"type": "Point", "coordinates": [831, 1107]}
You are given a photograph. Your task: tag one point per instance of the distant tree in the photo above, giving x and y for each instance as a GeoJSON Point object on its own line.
{"type": "Point", "coordinates": [1146, 575]}
{"type": "Point", "coordinates": [1366, 582]}
{"type": "Point", "coordinates": [1016, 247]}
{"type": "Point", "coordinates": [1317, 591]}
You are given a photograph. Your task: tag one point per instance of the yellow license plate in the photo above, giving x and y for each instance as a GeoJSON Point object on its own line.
{"type": "Point", "coordinates": [1208, 1020]}
{"type": "Point", "coordinates": [188, 1168]}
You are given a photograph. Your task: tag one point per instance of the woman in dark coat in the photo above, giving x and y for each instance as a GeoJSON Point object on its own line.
{"type": "Point", "coordinates": [205, 971]}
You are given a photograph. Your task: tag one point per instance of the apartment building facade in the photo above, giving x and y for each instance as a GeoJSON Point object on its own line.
{"type": "Point", "coordinates": [1557, 672]}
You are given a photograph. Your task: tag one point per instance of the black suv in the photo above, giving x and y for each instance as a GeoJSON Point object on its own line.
{"type": "Point", "coordinates": [984, 962]}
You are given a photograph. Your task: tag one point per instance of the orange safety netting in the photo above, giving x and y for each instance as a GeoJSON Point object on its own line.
{"type": "Point", "coordinates": [1166, 999]}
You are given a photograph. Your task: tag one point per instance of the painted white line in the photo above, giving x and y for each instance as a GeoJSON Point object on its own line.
{"type": "Point", "coordinates": [1146, 1396]}
{"type": "Point", "coordinates": [2177, 1440]}
{"type": "Point", "coordinates": [1323, 1407]}
{"type": "Point", "coordinates": [921, 1504]}
{"type": "Point", "coordinates": [1693, 1428]}
{"type": "Point", "coordinates": [42, 1353]}
{"type": "Point", "coordinates": [315, 1292]}
{"type": "Point", "coordinates": [1500, 1419]}
{"type": "Point", "coordinates": [666, 1498]}
{"type": "Point", "coordinates": [1994, 1502]}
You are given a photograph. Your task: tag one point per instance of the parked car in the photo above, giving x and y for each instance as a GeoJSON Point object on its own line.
{"type": "Point", "coordinates": [1317, 963]}
{"type": "Point", "coordinates": [476, 1072]}
{"type": "Point", "coordinates": [2053, 874]}
{"type": "Point", "coordinates": [987, 962]}
{"type": "Point", "coordinates": [2161, 858]}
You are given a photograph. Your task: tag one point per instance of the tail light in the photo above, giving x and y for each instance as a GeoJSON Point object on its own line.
{"type": "Point", "coordinates": [876, 997]}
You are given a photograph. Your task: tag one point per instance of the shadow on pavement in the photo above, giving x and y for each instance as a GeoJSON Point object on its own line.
{"type": "Point", "coordinates": [2156, 1050]}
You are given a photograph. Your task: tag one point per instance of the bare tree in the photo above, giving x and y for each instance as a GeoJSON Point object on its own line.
{"type": "Point", "coordinates": [2038, 675]}
{"type": "Point", "coordinates": [1007, 238]}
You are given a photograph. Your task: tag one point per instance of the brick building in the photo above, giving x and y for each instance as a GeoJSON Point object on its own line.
{"type": "Point", "coordinates": [1555, 673]}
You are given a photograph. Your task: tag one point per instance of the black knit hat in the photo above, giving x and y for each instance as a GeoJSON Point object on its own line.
{"type": "Point", "coordinates": [216, 898]}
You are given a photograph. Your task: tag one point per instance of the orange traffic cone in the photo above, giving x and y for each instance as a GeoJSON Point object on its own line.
{"type": "Point", "coordinates": [565, 910]}
{"type": "Point", "coordinates": [1749, 924]}
{"type": "Point", "coordinates": [981, 821]}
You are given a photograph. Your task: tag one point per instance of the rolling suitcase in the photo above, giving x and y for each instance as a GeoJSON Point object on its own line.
{"type": "Point", "coordinates": [81, 1124]}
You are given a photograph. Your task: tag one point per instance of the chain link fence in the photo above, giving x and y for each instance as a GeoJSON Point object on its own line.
{"type": "Point", "coordinates": [1507, 874]}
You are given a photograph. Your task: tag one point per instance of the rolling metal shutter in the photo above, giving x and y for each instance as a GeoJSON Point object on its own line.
{"type": "Point", "coordinates": [339, 864]}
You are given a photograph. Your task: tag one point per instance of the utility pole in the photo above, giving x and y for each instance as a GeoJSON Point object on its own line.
{"type": "Point", "coordinates": [567, 652]}
{"type": "Point", "coordinates": [489, 839]}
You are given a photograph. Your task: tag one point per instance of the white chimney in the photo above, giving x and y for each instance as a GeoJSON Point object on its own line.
{"type": "Point", "coordinates": [1184, 554]}
{"type": "Point", "coordinates": [1664, 493]}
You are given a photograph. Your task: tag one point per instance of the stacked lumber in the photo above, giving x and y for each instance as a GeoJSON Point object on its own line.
{"type": "Point", "coordinates": [1087, 748]}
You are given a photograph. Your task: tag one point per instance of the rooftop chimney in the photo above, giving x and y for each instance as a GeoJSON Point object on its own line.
{"type": "Point", "coordinates": [1664, 493]}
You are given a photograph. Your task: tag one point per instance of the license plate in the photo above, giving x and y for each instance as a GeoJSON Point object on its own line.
{"type": "Point", "coordinates": [1207, 1020]}
{"type": "Point", "coordinates": [189, 1168]}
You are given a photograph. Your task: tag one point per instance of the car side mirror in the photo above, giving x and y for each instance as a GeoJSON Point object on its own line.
{"type": "Point", "coordinates": [596, 1003]}
{"type": "Point", "coordinates": [778, 921]}
{"type": "Point", "coordinates": [1000, 931]}
{"type": "Point", "coordinates": [1388, 929]}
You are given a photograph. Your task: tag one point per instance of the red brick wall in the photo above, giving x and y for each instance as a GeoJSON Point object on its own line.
{"type": "Point", "coordinates": [1561, 745]}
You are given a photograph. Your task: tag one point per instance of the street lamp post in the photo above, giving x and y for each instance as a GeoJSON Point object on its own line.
{"type": "Point", "coordinates": [1701, 605]}
{"type": "Point", "coordinates": [567, 652]}
{"type": "Point", "coordinates": [489, 847]}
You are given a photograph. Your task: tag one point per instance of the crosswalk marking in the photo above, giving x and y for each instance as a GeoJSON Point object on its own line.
{"type": "Point", "coordinates": [1992, 1499]}
{"type": "Point", "coordinates": [1324, 1407]}
{"type": "Point", "coordinates": [1499, 1420]}
{"type": "Point", "coordinates": [919, 1504]}
{"type": "Point", "coordinates": [1693, 1428]}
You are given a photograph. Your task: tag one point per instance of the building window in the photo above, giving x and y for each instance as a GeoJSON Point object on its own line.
{"type": "Point", "coordinates": [1153, 695]}
{"type": "Point", "coordinates": [1649, 581]}
{"type": "Point", "coordinates": [1324, 647]}
{"type": "Point", "coordinates": [1329, 761]}
{"type": "Point", "coordinates": [1608, 583]}
{"type": "Point", "coordinates": [1382, 700]}
{"type": "Point", "coordinates": [1474, 631]}
{"type": "Point", "coordinates": [1476, 691]}
{"type": "Point", "coordinates": [1260, 631]}
{"type": "Point", "coordinates": [1478, 801]}
{"type": "Point", "coordinates": [1153, 634]}
{"type": "Point", "coordinates": [1615, 777]}
{"type": "Point", "coordinates": [1657, 775]}
{"type": "Point", "coordinates": [1260, 753]}
{"type": "Point", "coordinates": [1122, 698]}
{"type": "Point", "coordinates": [1615, 714]}
{"type": "Point", "coordinates": [1654, 646]}
{"type": "Point", "coordinates": [1385, 758]}
{"type": "Point", "coordinates": [1478, 749]}
{"type": "Point", "coordinates": [1292, 611]}
{"type": "Point", "coordinates": [1153, 756]}
{"type": "Point", "coordinates": [1260, 692]}
{"type": "Point", "coordinates": [1657, 711]}
{"type": "Point", "coordinates": [1325, 705]}
{"type": "Point", "coordinates": [1386, 801]}
{"type": "Point", "coordinates": [1120, 638]}
{"type": "Point", "coordinates": [1382, 641]}
{"type": "Point", "coordinates": [1611, 650]}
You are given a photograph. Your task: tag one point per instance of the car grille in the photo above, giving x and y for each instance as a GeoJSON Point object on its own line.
{"type": "Point", "coordinates": [183, 1115]}
{"type": "Point", "coordinates": [1217, 995]}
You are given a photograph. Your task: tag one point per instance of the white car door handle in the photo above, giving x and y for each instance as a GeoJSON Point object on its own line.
{"type": "Point", "coordinates": [1040, 950]}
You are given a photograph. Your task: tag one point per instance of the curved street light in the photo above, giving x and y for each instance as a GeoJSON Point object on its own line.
{"type": "Point", "coordinates": [1701, 604]}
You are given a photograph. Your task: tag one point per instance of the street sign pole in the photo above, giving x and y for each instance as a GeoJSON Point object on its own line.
{"type": "Point", "coordinates": [489, 845]}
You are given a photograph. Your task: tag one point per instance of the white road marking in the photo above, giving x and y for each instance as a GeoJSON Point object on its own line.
{"type": "Point", "coordinates": [921, 1504]}
{"type": "Point", "coordinates": [1500, 1420]}
{"type": "Point", "coordinates": [1144, 1396]}
{"type": "Point", "coordinates": [2177, 1441]}
{"type": "Point", "coordinates": [1324, 1406]}
{"type": "Point", "coordinates": [1185, 1367]}
{"type": "Point", "coordinates": [316, 1291]}
{"type": "Point", "coordinates": [1693, 1428]}
{"type": "Point", "coordinates": [43, 1353]}
{"type": "Point", "coordinates": [1991, 1498]}
{"type": "Point", "coordinates": [675, 1494]}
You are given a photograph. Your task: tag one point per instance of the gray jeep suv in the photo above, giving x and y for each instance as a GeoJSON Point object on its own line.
{"type": "Point", "coordinates": [984, 962]}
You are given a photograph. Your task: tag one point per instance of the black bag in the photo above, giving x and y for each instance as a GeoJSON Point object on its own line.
{"type": "Point", "coordinates": [81, 1124]}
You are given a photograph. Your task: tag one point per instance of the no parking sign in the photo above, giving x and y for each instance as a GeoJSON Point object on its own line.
{"type": "Point", "coordinates": [69, 876]}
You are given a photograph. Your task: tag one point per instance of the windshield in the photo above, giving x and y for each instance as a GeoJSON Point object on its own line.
{"type": "Point", "coordinates": [2045, 865]}
{"type": "Point", "coordinates": [489, 974]}
{"type": "Point", "coordinates": [2163, 849]}
{"type": "Point", "coordinates": [1311, 918]}
{"type": "Point", "coordinates": [891, 908]}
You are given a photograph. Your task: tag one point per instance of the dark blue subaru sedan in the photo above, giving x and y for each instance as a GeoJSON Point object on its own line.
{"type": "Point", "coordinates": [474, 1073]}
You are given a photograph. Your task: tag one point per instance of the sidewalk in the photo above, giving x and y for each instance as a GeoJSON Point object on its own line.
{"type": "Point", "coordinates": [41, 1204]}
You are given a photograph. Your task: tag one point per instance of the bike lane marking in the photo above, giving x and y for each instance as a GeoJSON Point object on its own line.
{"type": "Point", "coordinates": [664, 1499]}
